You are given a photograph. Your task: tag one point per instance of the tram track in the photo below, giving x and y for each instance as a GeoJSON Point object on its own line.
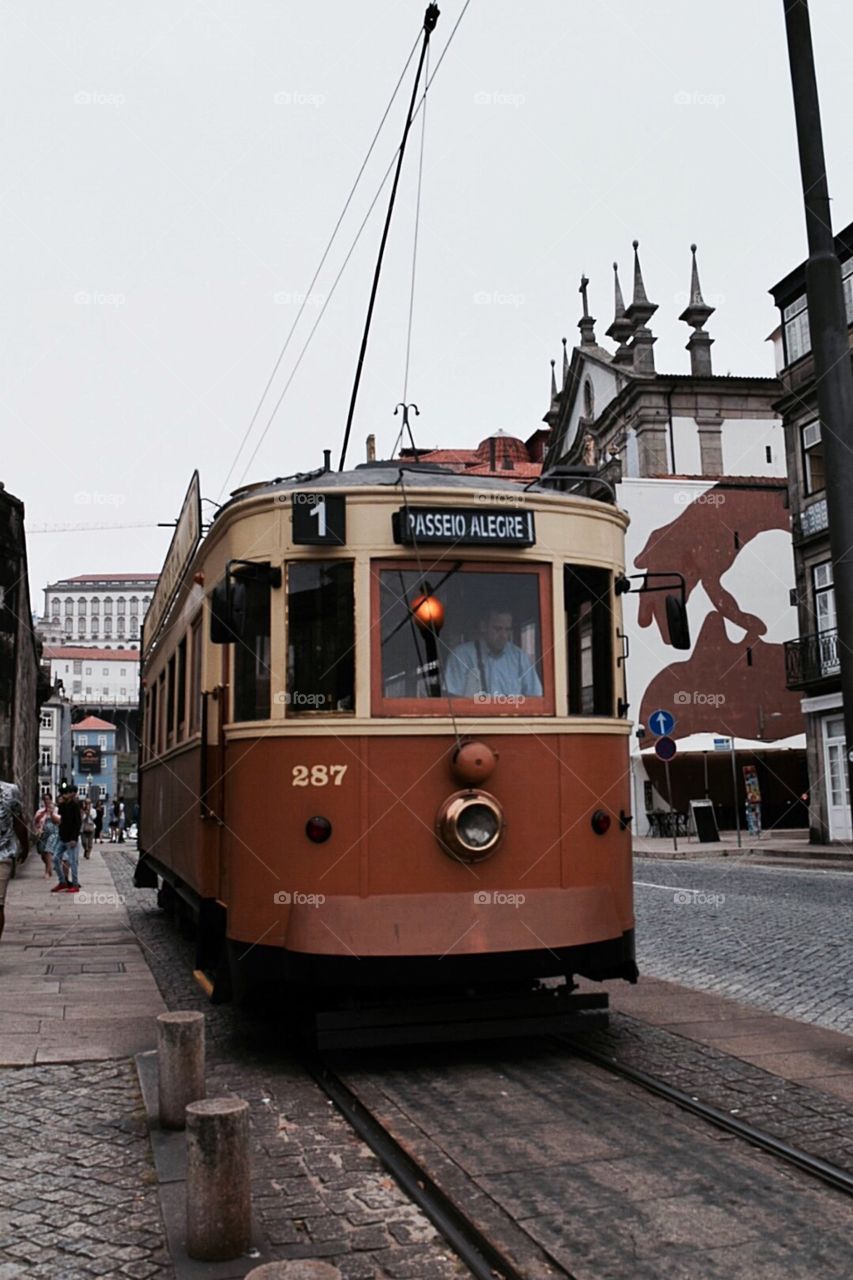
{"type": "Point", "coordinates": [834, 1176]}
{"type": "Point", "coordinates": [421, 1177]}
{"type": "Point", "coordinates": [482, 1257]}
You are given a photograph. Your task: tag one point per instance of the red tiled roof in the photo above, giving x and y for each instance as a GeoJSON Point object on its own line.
{"type": "Point", "coordinates": [92, 722]}
{"type": "Point", "coordinates": [97, 655]}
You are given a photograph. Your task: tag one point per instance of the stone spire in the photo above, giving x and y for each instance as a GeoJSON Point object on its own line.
{"type": "Point", "coordinates": [553, 413]}
{"type": "Point", "coordinates": [586, 324]}
{"type": "Point", "coordinates": [565, 362]}
{"type": "Point", "coordinates": [639, 313]}
{"type": "Point", "coordinates": [621, 328]}
{"type": "Point", "coordinates": [695, 314]}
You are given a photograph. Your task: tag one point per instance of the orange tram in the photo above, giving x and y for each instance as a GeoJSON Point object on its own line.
{"type": "Point", "coordinates": [385, 744]}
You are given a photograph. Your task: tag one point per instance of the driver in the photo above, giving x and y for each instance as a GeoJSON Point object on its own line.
{"type": "Point", "coordinates": [492, 664]}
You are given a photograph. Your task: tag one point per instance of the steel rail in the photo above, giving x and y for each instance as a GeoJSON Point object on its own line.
{"type": "Point", "coordinates": [482, 1258]}
{"type": "Point", "coordinates": [831, 1174]}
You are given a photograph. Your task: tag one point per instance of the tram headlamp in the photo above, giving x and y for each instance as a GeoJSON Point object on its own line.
{"type": "Point", "coordinates": [470, 825]}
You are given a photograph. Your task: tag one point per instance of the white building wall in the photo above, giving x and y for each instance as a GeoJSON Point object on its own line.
{"type": "Point", "coordinates": [97, 679]}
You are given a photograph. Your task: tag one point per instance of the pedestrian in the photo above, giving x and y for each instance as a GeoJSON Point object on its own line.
{"type": "Point", "coordinates": [122, 821]}
{"type": "Point", "coordinates": [116, 821]}
{"type": "Point", "coordinates": [99, 819]}
{"type": "Point", "coordinates": [46, 829]}
{"type": "Point", "coordinates": [14, 839]}
{"type": "Point", "coordinates": [68, 852]}
{"type": "Point", "coordinates": [87, 829]}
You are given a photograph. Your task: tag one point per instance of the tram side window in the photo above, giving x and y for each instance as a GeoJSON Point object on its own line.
{"type": "Point", "coordinates": [152, 722]}
{"type": "Point", "coordinates": [589, 637]}
{"type": "Point", "coordinates": [161, 717]}
{"type": "Point", "coordinates": [463, 631]}
{"type": "Point", "coordinates": [182, 688]}
{"type": "Point", "coordinates": [195, 687]}
{"type": "Point", "coordinates": [170, 703]}
{"type": "Point", "coordinates": [252, 655]}
{"type": "Point", "coordinates": [320, 637]}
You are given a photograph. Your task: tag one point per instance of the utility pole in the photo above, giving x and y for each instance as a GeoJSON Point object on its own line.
{"type": "Point", "coordinates": [830, 344]}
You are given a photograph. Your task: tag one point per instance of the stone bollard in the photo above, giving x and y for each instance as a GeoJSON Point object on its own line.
{"type": "Point", "coordinates": [180, 1061]}
{"type": "Point", "coordinates": [299, 1269]}
{"type": "Point", "coordinates": [219, 1199]}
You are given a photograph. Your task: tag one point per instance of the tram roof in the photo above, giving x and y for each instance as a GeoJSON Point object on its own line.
{"type": "Point", "coordinates": [392, 475]}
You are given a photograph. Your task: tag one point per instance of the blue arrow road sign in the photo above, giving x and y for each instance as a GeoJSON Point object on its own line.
{"type": "Point", "coordinates": [662, 723]}
{"type": "Point", "coordinates": [665, 748]}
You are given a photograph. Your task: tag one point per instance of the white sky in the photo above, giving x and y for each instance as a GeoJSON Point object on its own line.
{"type": "Point", "coordinates": [159, 210]}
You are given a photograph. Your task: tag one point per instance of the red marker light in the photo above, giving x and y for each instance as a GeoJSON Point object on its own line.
{"type": "Point", "coordinates": [318, 829]}
{"type": "Point", "coordinates": [600, 822]}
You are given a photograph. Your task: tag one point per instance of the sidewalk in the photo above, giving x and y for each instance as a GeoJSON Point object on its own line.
{"type": "Point", "coordinates": [74, 983]}
{"type": "Point", "coordinates": [787, 847]}
{"type": "Point", "coordinates": [78, 1196]}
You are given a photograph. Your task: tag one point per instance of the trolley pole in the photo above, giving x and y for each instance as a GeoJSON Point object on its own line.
{"type": "Point", "coordinates": [830, 344]}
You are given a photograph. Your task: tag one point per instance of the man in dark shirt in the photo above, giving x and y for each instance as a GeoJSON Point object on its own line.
{"type": "Point", "coordinates": [68, 845]}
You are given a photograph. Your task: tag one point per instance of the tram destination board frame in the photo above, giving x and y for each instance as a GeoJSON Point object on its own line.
{"type": "Point", "coordinates": [465, 526]}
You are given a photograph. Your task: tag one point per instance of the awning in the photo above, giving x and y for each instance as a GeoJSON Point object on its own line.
{"type": "Point", "coordinates": [695, 743]}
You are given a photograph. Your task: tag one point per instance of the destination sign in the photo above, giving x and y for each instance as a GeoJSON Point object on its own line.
{"type": "Point", "coordinates": [465, 526]}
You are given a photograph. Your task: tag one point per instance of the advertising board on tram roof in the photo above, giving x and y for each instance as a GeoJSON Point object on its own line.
{"type": "Point", "coordinates": [182, 548]}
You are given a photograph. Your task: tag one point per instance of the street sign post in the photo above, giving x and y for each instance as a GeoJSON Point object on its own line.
{"type": "Point", "coordinates": [665, 749]}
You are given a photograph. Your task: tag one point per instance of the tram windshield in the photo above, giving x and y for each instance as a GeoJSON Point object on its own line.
{"type": "Point", "coordinates": [470, 632]}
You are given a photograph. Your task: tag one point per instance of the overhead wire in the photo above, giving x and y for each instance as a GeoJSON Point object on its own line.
{"type": "Point", "coordinates": [329, 295]}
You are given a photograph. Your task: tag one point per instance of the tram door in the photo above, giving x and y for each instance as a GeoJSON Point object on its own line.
{"type": "Point", "coordinates": [837, 783]}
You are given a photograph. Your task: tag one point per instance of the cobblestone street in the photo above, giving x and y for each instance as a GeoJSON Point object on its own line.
{"type": "Point", "coordinates": [775, 939]}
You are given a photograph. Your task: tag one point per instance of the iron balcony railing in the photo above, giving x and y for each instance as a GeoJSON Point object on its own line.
{"type": "Point", "coordinates": [811, 659]}
{"type": "Point", "coordinates": [811, 520]}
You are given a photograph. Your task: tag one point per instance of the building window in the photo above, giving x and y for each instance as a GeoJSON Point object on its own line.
{"type": "Point", "coordinates": [813, 470]}
{"type": "Point", "coordinates": [123, 671]}
{"type": "Point", "coordinates": [102, 741]}
{"type": "Point", "coordinates": [46, 758]}
{"type": "Point", "coordinates": [108, 605]}
{"type": "Point", "coordinates": [78, 667]}
{"type": "Point", "coordinates": [55, 607]}
{"type": "Point", "coordinates": [108, 626]}
{"type": "Point", "coordinates": [77, 686]}
{"type": "Point", "coordinates": [47, 719]}
{"type": "Point", "coordinates": [134, 625]}
{"type": "Point", "coordinates": [121, 606]}
{"type": "Point", "coordinates": [106, 690]}
{"type": "Point", "coordinates": [81, 605]}
{"type": "Point", "coordinates": [847, 286]}
{"type": "Point", "coordinates": [82, 739]}
{"type": "Point", "coordinates": [795, 326]}
{"type": "Point", "coordinates": [94, 628]}
{"type": "Point", "coordinates": [81, 629]}
{"type": "Point", "coordinates": [588, 399]}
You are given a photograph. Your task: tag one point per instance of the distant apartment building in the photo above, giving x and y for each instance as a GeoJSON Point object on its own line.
{"type": "Point", "coordinates": [812, 659]}
{"type": "Point", "coordinates": [99, 677]}
{"type": "Point", "coordinates": [98, 610]}
{"type": "Point", "coordinates": [54, 745]}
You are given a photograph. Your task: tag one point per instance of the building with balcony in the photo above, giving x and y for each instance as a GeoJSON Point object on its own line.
{"type": "Point", "coordinates": [99, 610]}
{"type": "Point", "coordinates": [812, 665]}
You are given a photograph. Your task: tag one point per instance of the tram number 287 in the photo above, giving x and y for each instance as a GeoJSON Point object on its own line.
{"type": "Point", "coordinates": [318, 775]}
